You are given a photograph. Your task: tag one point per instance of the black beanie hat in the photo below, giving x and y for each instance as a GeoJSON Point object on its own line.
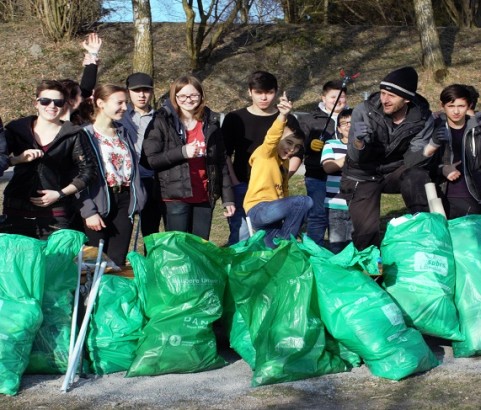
{"type": "Point", "coordinates": [402, 82]}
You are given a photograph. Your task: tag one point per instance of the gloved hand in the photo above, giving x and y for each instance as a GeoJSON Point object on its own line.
{"type": "Point", "coordinates": [362, 132]}
{"type": "Point", "coordinates": [440, 136]}
{"type": "Point", "coordinates": [317, 144]}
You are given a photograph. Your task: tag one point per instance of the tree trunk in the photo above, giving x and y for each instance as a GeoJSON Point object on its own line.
{"type": "Point", "coordinates": [143, 59]}
{"type": "Point", "coordinates": [432, 56]}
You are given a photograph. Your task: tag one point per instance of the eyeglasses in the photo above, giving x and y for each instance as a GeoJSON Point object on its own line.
{"type": "Point", "coordinates": [183, 97]}
{"type": "Point", "coordinates": [47, 101]}
{"type": "Point", "coordinates": [344, 124]}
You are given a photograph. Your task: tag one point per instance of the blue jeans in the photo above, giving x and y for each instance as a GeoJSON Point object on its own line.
{"type": "Point", "coordinates": [237, 222]}
{"type": "Point", "coordinates": [317, 220]}
{"type": "Point", "coordinates": [191, 218]}
{"type": "Point", "coordinates": [340, 229]}
{"type": "Point", "coordinates": [280, 218]}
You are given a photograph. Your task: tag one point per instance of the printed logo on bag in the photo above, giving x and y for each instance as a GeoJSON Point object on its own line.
{"type": "Point", "coordinates": [424, 261]}
{"type": "Point", "coordinates": [175, 340]}
{"type": "Point", "coordinates": [393, 313]}
{"type": "Point", "coordinates": [195, 323]}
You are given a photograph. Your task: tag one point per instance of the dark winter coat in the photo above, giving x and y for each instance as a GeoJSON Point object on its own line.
{"type": "Point", "coordinates": [388, 147]}
{"type": "Point", "coordinates": [471, 155]}
{"type": "Point", "coordinates": [68, 160]}
{"type": "Point", "coordinates": [164, 151]}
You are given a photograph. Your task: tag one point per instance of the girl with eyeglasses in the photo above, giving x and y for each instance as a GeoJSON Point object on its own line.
{"type": "Point", "coordinates": [110, 202]}
{"type": "Point", "coordinates": [184, 146]}
{"type": "Point", "coordinates": [52, 160]}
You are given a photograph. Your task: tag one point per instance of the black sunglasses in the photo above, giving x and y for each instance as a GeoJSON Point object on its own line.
{"type": "Point", "coordinates": [47, 101]}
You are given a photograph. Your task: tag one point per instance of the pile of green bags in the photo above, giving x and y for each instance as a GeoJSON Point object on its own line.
{"type": "Point", "coordinates": [182, 282]}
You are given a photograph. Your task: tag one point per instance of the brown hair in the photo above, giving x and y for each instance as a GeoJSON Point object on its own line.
{"type": "Point", "coordinates": [51, 85]}
{"type": "Point", "coordinates": [89, 107]}
{"type": "Point", "coordinates": [180, 83]}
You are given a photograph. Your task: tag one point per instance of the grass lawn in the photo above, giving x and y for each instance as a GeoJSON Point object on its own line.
{"type": "Point", "coordinates": [392, 206]}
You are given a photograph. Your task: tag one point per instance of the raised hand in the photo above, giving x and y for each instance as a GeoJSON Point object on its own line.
{"type": "Point", "coordinates": [92, 44]}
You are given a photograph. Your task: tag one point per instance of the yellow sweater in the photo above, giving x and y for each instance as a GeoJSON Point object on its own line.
{"type": "Point", "coordinates": [269, 174]}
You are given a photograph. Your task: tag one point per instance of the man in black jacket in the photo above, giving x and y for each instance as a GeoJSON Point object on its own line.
{"type": "Point", "coordinates": [385, 153]}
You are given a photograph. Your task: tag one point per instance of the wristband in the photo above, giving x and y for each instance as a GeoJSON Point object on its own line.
{"type": "Point", "coordinates": [61, 195]}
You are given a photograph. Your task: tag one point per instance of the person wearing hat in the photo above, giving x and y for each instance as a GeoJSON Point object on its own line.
{"type": "Point", "coordinates": [385, 153]}
{"type": "Point", "coordinates": [138, 116]}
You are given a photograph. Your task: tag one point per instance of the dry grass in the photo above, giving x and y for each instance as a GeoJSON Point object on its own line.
{"type": "Point", "coordinates": [302, 57]}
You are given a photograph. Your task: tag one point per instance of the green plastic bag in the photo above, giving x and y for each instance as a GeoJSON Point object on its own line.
{"type": "Point", "coordinates": [19, 322]}
{"type": "Point", "coordinates": [116, 325]}
{"type": "Point", "coordinates": [466, 237]}
{"type": "Point", "coordinates": [419, 273]}
{"type": "Point", "coordinates": [51, 345]}
{"type": "Point", "coordinates": [183, 283]}
{"type": "Point", "coordinates": [362, 316]}
{"type": "Point", "coordinates": [240, 340]}
{"type": "Point", "coordinates": [273, 289]}
{"type": "Point", "coordinates": [22, 275]}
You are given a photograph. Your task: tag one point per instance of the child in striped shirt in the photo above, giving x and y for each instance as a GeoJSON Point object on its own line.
{"type": "Point", "coordinates": [332, 160]}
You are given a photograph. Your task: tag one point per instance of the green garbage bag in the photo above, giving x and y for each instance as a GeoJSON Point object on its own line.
{"type": "Point", "coordinates": [183, 284]}
{"type": "Point", "coordinates": [361, 315]}
{"type": "Point", "coordinates": [347, 257]}
{"type": "Point", "coordinates": [466, 237]}
{"type": "Point", "coordinates": [19, 322]}
{"type": "Point", "coordinates": [51, 345]}
{"type": "Point", "coordinates": [115, 326]}
{"type": "Point", "coordinates": [22, 275]}
{"type": "Point", "coordinates": [419, 273]}
{"type": "Point", "coordinates": [240, 340]}
{"type": "Point", "coordinates": [287, 335]}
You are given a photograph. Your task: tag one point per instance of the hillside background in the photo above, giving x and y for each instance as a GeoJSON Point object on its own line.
{"type": "Point", "coordinates": [303, 57]}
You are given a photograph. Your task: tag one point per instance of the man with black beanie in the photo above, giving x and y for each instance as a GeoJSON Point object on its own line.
{"type": "Point", "coordinates": [385, 153]}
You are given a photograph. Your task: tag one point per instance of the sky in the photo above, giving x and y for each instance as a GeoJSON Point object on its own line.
{"type": "Point", "coordinates": [162, 10]}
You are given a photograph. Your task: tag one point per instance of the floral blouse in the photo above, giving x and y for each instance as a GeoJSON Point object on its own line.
{"type": "Point", "coordinates": [116, 159]}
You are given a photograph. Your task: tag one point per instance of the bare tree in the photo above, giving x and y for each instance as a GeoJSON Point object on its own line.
{"type": "Point", "coordinates": [215, 21]}
{"type": "Point", "coordinates": [462, 12]}
{"type": "Point", "coordinates": [62, 19]}
{"type": "Point", "coordinates": [143, 59]}
{"type": "Point", "coordinates": [432, 56]}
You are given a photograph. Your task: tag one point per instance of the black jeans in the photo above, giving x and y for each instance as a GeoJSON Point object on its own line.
{"type": "Point", "coordinates": [118, 231]}
{"type": "Point", "coordinates": [457, 207]}
{"type": "Point", "coordinates": [191, 218]}
{"type": "Point", "coordinates": [364, 200]}
{"type": "Point", "coordinates": [38, 227]}
{"type": "Point", "coordinates": [154, 209]}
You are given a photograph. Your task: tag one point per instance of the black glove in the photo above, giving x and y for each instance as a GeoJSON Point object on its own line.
{"type": "Point", "coordinates": [440, 136]}
{"type": "Point", "coordinates": [362, 132]}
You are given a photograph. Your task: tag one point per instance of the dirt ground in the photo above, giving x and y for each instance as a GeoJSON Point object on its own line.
{"type": "Point", "coordinates": [454, 384]}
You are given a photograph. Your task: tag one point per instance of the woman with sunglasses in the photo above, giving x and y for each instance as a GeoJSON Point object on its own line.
{"type": "Point", "coordinates": [184, 145]}
{"type": "Point", "coordinates": [109, 204]}
{"type": "Point", "coordinates": [53, 161]}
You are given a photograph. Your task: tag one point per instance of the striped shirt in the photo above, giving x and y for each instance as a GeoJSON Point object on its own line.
{"type": "Point", "coordinates": [334, 149]}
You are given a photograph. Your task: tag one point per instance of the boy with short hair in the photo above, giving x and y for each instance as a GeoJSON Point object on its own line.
{"type": "Point", "coordinates": [332, 160]}
{"type": "Point", "coordinates": [138, 116]}
{"type": "Point", "coordinates": [244, 130]}
{"type": "Point", "coordinates": [267, 203]}
{"type": "Point", "coordinates": [315, 177]}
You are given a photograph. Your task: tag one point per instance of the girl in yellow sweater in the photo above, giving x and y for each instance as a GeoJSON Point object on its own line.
{"type": "Point", "coordinates": [267, 202]}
